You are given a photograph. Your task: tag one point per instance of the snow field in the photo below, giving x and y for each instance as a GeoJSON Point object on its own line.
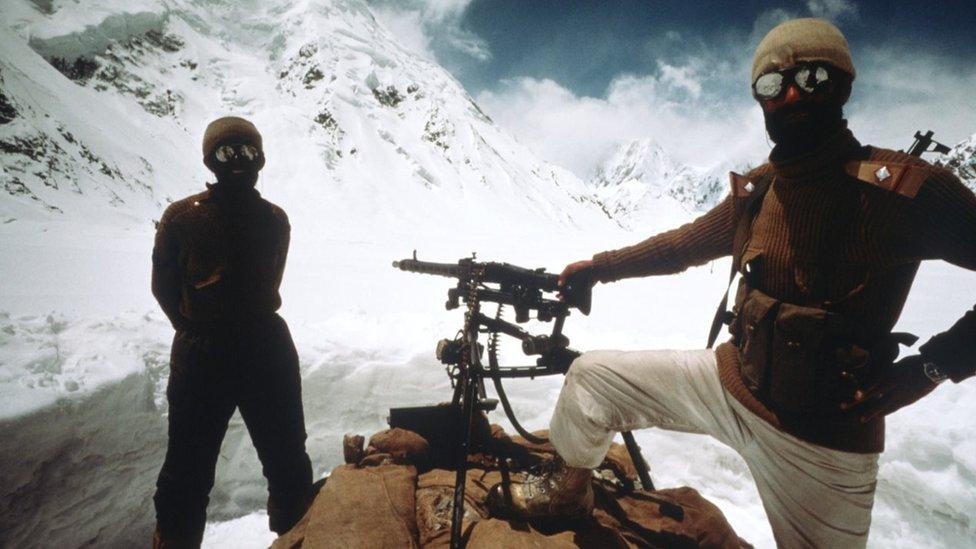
{"type": "Point", "coordinates": [365, 334]}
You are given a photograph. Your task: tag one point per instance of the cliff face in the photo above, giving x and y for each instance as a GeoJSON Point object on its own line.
{"type": "Point", "coordinates": [399, 494]}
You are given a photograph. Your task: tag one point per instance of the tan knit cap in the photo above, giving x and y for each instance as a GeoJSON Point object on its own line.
{"type": "Point", "coordinates": [798, 40]}
{"type": "Point", "coordinates": [229, 127]}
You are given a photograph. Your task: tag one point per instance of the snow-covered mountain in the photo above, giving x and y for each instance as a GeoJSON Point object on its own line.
{"type": "Point", "coordinates": [962, 161]}
{"type": "Point", "coordinates": [356, 127]}
{"type": "Point", "coordinates": [641, 185]}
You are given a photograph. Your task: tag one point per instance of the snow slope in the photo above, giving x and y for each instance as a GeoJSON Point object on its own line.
{"type": "Point", "coordinates": [373, 152]}
{"type": "Point", "coordinates": [341, 106]}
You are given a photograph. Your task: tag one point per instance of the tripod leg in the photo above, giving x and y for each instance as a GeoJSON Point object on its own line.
{"type": "Point", "coordinates": [667, 508]}
{"type": "Point", "coordinates": [468, 411]}
{"type": "Point", "coordinates": [635, 455]}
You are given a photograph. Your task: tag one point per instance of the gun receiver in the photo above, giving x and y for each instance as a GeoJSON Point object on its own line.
{"type": "Point", "coordinates": [519, 287]}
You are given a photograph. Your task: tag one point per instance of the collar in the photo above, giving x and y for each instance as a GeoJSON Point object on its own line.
{"type": "Point", "coordinates": [828, 157]}
{"type": "Point", "coordinates": [218, 192]}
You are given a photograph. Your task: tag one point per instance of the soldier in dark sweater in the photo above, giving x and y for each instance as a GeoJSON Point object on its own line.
{"type": "Point", "coordinates": [828, 236]}
{"type": "Point", "coordinates": [218, 260]}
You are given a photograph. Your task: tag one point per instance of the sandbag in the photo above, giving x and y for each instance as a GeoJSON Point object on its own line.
{"type": "Point", "coordinates": [494, 533]}
{"type": "Point", "coordinates": [369, 508]}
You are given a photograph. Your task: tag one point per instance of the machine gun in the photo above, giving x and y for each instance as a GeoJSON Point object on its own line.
{"type": "Point", "coordinates": [922, 143]}
{"type": "Point", "coordinates": [526, 291]}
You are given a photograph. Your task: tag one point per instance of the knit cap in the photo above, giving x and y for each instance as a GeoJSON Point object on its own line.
{"type": "Point", "coordinates": [229, 127]}
{"type": "Point", "coordinates": [799, 40]}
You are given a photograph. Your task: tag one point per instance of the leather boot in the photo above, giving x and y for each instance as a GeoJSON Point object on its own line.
{"type": "Point", "coordinates": [553, 490]}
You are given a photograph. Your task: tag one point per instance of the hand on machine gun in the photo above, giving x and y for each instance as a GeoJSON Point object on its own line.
{"type": "Point", "coordinates": [575, 285]}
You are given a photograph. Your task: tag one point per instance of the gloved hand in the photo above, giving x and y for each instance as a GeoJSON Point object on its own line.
{"type": "Point", "coordinates": [902, 384]}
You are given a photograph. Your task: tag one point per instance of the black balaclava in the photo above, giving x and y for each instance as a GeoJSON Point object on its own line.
{"type": "Point", "coordinates": [802, 126]}
{"type": "Point", "coordinates": [239, 174]}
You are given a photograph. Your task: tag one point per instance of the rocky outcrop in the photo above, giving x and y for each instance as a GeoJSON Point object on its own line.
{"type": "Point", "coordinates": [397, 494]}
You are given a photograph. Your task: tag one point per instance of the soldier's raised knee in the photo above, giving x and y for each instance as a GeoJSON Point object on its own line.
{"type": "Point", "coordinates": [587, 365]}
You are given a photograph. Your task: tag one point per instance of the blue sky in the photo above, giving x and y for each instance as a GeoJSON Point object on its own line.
{"type": "Point", "coordinates": [583, 45]}
{"type": "Point", "coordinates": [573, 79]}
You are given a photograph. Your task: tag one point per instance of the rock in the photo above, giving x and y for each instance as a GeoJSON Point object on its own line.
{"type": "Point", "coordinates": [402, 445]}
{"type": "Point", "coordinates": [352, 448]}
{"type": "Point", "coordinates": [377, 459]}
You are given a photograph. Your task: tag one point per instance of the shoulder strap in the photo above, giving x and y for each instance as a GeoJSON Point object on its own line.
{"type": "Point", "coordinates": [897, 177]}
{"type": "Point", "coordinates": [753, 190]}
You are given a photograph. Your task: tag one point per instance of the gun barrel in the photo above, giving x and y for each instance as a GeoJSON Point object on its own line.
{"type": "Point", "coordinates": [501, 273]}
{"type": "Point", "coordinates": [452, 270]}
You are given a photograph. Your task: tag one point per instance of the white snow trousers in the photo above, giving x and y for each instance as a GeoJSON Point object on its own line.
{"type": "Point", "coordinates": [813, 496]}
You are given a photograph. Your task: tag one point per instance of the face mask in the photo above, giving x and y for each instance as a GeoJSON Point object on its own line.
{"type": "Point", "coordinates": [816, 115]}
{"type": "Point", "coordinates": [804, 124]}
{"type": "Point", "coordinates": [237, 165]}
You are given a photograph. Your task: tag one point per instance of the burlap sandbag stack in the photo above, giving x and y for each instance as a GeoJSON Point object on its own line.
{"type": "Point", "coordinates": [394, 493]}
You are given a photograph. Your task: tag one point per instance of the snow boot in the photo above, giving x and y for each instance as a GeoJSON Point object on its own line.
{"type": "Point", "coordinates": [552, 490]}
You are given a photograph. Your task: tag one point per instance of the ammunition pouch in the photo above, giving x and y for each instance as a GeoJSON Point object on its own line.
{"type": "Point", "coordinates": [801, 359]}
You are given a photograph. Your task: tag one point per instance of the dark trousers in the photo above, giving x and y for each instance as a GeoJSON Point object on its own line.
{"type": "Point", "coordinates": [213, 371]}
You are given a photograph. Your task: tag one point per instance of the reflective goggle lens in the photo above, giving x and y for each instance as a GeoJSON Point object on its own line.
{"type": "Point", "coordinates": [808, 78]}
{"type": "Point", "coordinates": [226, 153]}
{"type": "Point", "coordinates": [769, 85]}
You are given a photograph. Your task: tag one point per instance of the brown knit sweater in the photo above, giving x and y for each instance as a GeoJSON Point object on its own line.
{"type": "Point", "coordinates": [218, 258]}
{"type": "Point", "coordinates": [873, 238]}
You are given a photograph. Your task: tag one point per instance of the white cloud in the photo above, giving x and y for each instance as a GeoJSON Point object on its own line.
{"type": "Point", "coordinates": [834, 10]}
{"type": "Point", "coordinates": [408, 27]}
{"type": "Point", "coordinates": [421, 24]}
{"type": "Point", "coordinates": [578, 132]}
{"type": "Point", "coordinates": [765, 22]}
{"type": "Point", "coordinates": [707, 118]}
{"type": "Point", "coordinates": [681, 77]}
{"type": "Point", "coordinates": [896, 94]}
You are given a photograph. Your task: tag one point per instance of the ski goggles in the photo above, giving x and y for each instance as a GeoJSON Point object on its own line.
{"type": "Point", "coordinates": [808, 77]}
{"type": "Point", "coordinates": [226, 153]}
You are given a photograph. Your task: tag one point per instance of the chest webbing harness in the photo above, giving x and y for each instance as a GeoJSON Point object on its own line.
{"type": "Point", "coordinates": [902, 178]}
{"type": "Point", "coordinates": [748, 195]}
{"type": "Point", "coordinates": [805, 358]}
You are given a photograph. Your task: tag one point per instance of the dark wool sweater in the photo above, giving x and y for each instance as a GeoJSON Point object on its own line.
{"type": "Point", "coordinates": [872, 238]}
{"type": "Point", "coordinates": [219, 257]}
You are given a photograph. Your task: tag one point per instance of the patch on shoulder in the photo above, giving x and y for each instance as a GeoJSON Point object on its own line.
{"type": "Point", "coordinates": [742, 186]}
{"type": "Point", "coordinates": [897, 177]}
